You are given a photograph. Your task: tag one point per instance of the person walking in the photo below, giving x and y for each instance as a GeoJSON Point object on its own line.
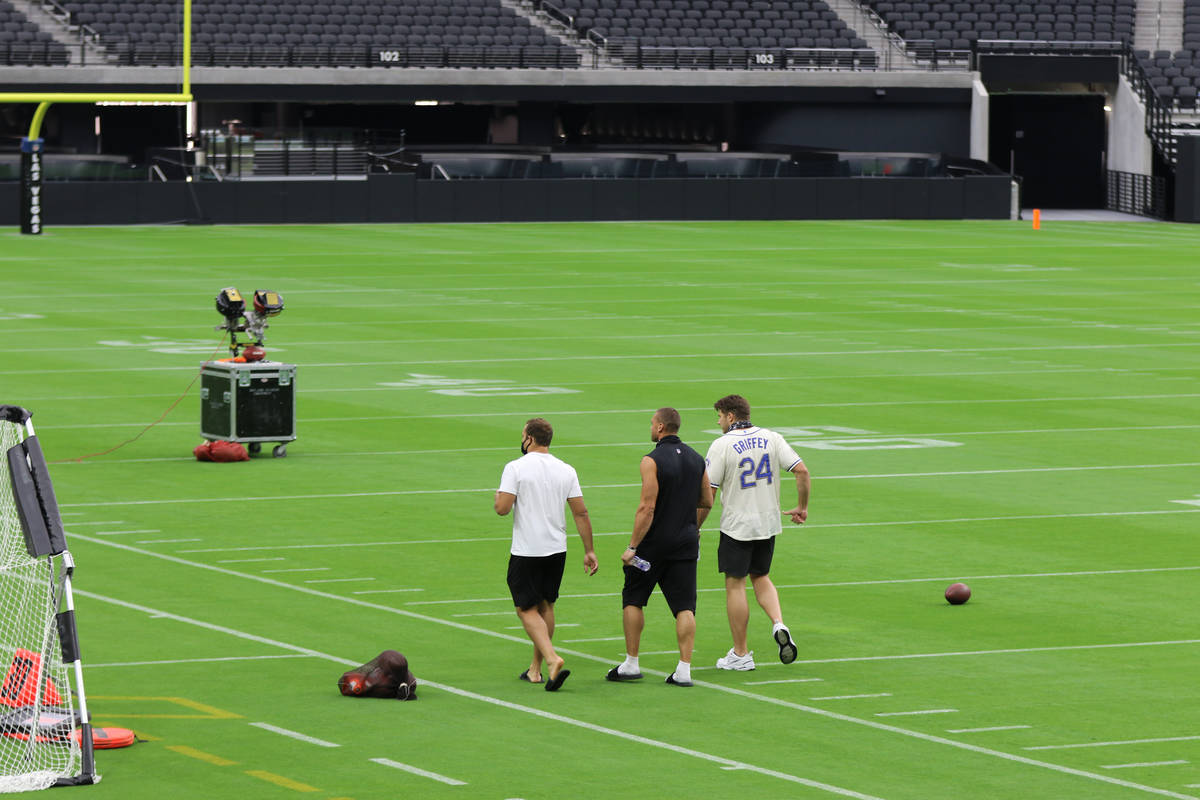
{"type": "Point", "coordinates": [675, 497]}
{"type": "Point", "coordinates": [535, 488]}
{"type": "Point", "coordinates": [746, 464]}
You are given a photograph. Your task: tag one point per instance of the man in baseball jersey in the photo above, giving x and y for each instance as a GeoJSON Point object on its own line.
{"type": "Point", "coordinates": [535, 488]}
{"type": "Point", "coordinates": [746, 464]}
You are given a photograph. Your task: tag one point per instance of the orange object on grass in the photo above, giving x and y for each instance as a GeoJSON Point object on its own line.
{"type": "Point", "coordinates": [20, 682]}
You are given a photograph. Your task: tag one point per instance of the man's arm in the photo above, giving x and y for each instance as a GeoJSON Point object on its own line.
{"type": "Point", "coordinates": [504, 503]}
{"type": "Point", "coordinates": [583, 524]}
{"type": "Point", "coordinates": [803, 486]}
{"type": "Point", "coordinates": [645, 510]}
{"type": "Point", "coordinates": [706, 500]}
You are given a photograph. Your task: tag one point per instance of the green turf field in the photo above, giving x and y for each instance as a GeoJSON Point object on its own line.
{"type": "Point", "coordinates": [976, 401]}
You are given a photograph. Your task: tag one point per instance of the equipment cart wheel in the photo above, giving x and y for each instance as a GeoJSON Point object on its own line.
{"type": "Point", "coordinates": [279, 451]}
{"type": "Point", "coordinates": [255, 448]}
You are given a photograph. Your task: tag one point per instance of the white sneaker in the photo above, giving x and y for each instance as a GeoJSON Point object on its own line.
{"type": "Point", "coordinates": [732, 660]}
{"type": "Point", "coordinates": [783, 637]}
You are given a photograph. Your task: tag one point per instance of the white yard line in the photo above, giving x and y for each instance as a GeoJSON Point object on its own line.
{"type": "Point", "coordinates": [1114, 744]}
{"type": "Point", "coordinates": [852, 697]}
{"type": "Point", "coordinates": [484, 698]}
{"type": "Point", "coordinates": [340, 580]}
{"type": "Point", "coordinates": [1144, 764]}
{"type": "Point", "coordinates": [592, 412]}
{"type": "Point", "coordinates": [293, 735]}
{"type": "Point", "coordinates": [121, 533]}
{"type": "Point", "coordinates": [587, 656]}
{"type": "Point", "coordinates": [990, 729]}
{"type": "Point", "coordinates": [386, 591]}
{"type": "Point", "coordinates": [1004, 651]}
{"type": "Point", "coordinates": [186, 661]}
{"type": "Point", "coordinates": [594, 445]}
{"type": "Point", "coordinates": [296, 569]}
{"type": "Point", "coordinates": [599, 639]}
{"type": "Point", "coordinates": [788, 680]}
{"type": "Point", "coordinates": [387, 762]}
{"type": "Point", "coordinates": [918, 713]}
{"type": "Point", "coordinates": [594, 487]}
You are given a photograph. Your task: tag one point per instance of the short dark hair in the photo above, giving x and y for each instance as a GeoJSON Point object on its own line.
{"type": "Point", "coordinates": [540, 431]}
{"type": "Point", "coordinates": [669, 418]}
{"type": "Point", "coordinates": [733, 404]}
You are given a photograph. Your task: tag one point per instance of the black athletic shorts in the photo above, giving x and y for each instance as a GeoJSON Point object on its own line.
{"type": "Point", "coordinates": [737, 559]}
{"type": "Point", "coordinates": [676, 579]}
{"type": "Point", "coordinates": [532, 579]}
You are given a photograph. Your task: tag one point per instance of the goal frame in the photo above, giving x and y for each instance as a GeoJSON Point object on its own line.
{"type": "Point", "coordinates": [32, 145]}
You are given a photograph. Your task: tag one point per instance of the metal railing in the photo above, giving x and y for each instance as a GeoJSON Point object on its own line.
{"type": "Point", "coordinates": [160, 54]}
{"type": "Point", "coordinates": [1128, 192]}
{"type": "Point", "coordinates": [242, 156]}
{"type": "Point", "coordinates": [631, 53]}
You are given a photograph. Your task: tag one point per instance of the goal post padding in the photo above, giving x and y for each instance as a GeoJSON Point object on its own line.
{"type": "Point", "coordinates": [44, 732]}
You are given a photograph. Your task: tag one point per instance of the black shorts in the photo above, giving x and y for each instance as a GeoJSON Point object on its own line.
{"type": "Point", "coordinates": [737, 559]}
{"type": "Point", "coordinates": [676, 579]}
{"type": "Point", "coordinates": [534, 579]}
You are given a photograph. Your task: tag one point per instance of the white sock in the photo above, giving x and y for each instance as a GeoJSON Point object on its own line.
{"type": "Point", "coordinates": [778, 624]}
{"type": "Point", "coordinates": [629, 666]}
{"type": "Point", "coordinates": [683, 672]}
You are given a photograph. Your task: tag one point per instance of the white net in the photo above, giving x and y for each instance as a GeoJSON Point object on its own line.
{"type": "Point", "coordinates": [37, 716]}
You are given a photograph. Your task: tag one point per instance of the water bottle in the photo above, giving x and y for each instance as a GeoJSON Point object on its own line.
{"type": "Point", "coordinates": [637, 562]}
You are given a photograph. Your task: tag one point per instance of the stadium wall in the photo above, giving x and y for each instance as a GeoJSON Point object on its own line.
{"type": "Point", "coordinates": [402, 198]}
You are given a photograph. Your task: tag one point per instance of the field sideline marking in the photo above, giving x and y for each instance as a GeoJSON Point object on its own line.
{"type": "Point", "coordinates": [1145, 764]}
{"type": "Point", "coordinates": [587, 656]}
{"type": "Point", "coordinates": [597, 487]}
{"type": "Point", "coordinates": [484, 698]}
{"type": "Point", "coordinates": [294, 735]}
{"type": "Point", "coordinates": [917, 713]}
{"type": "Point", "coordinates": [1115, 744]}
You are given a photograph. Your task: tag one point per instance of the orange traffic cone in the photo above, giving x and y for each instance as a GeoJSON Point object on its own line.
{"type": "Point", "coordinates": [20, 682]}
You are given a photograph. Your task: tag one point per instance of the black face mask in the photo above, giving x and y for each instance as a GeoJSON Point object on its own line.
{"type": "Point", "coordinates": [525, 445]}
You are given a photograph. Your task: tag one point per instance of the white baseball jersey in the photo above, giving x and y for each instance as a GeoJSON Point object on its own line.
{"type": "Point", "coordinates": [542, 484]}
{"type": "Point", "coordinates": [747, 465]}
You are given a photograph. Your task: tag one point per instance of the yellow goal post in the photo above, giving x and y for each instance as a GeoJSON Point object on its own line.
{"type": "Point", "coordinates": [31, 146]}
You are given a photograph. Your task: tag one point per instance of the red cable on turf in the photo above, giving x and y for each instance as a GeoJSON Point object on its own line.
{"type": "Point", "coordinates": [152, 424]}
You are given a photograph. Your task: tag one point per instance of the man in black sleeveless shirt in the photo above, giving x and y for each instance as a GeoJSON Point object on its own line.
{"type": "Point", "coordinates": [666, 533]}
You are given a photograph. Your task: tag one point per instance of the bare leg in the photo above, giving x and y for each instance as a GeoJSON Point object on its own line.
{"type": "Point", "coordinates": [546, 610]}
{"type": "Point", "coordinates": [767, 596]}
{"type": "Point", "coordinates": [685, 632]}
{"type": "Point", "coordinates": [634, 620]}
{"type": "Point", "coordinates": [535, 629]}
{"type": "Point", "coordinates": [739, 612]}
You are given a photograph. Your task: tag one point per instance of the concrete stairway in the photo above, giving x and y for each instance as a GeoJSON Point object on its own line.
{"type": "Point", "coordinates": [1158, 25]}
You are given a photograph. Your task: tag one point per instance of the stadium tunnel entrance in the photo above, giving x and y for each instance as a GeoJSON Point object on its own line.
{"type": "Point", "coordinates": [1055, 143]}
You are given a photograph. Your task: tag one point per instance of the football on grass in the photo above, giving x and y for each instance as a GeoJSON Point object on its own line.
{"type": "Point", "coordinates": [958, 593]}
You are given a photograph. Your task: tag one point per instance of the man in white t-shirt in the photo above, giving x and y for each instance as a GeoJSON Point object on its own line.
{"type": "Point", "coordinates": [747, 464]}
{"type": "Point", "coordinates": [535, 488]}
